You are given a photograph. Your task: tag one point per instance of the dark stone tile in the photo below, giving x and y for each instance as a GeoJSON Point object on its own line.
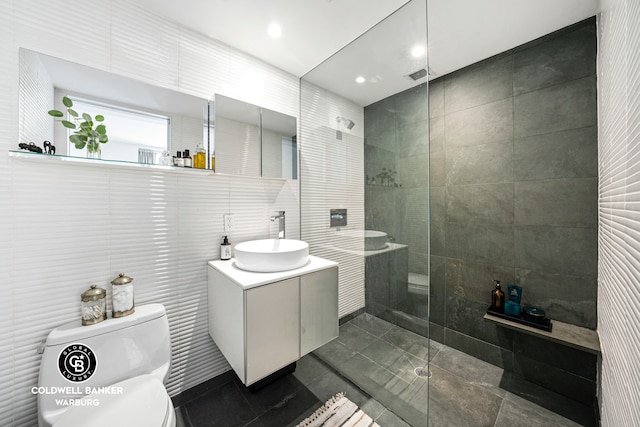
{"type": "Point", "coordinates": [397, 395]}
{"type": "Point", "coordinates": [484, 124]}
{"type": "Point", "coordinates": [335, 352]}
{"type": "Point", "coordinates": [380, 116]}
{"type": "Point", "coordinates": [394, 359]}
{"type": "Point", "coordinates": [436, 98]}
{"type": "Point", "coordinates": [455, 402]}
{"type": "Point", "coordinates": [372, 376]}
{"type": "Point", "coordinates": [475, 281]}
{"type": "Point", "coordinates": [569, 299]}
{"type": "Point", "coordinates": [413, 171]}
{"type": "Point", "coordinates": [376, 158]}
{"type": "Point", "coordinates": [480, 164]}
{"type": "Point", "coordinates": [412, 105]}
{"type": "Point", "coordinates": [470, 369]}
{"type": "Point", "coordinates": [527, 414]}
{"type": "Point", "coordinates": [224, 406]}
{"type": "Point", "coordinates": [557, 108]}
{"type": "Point", "coordinates": [309, 368]}
{"type": "Point", "coordinates": [567, 56]}
{"type": "Point", "coordinates": [525, 393]}
{"type": "Point", "coordinates": [378, 216]}
{"type": "Point", "coordinates": [567, 154]}
{"type": "Point", "coordinates": [499, 354]}
{"type": "Point", "coordinates": [437, 169]}
{"type": "Point", "coordinates": [557, 202]}
{"type": "Point", "coordinates": [409, 342]}
{"type": "Point", "coordinates": [479, 84]}
{"type": "Point", "coordinates": [418, 325]}
{"type": "Point", "coordinates": [438, 220]}
{"type": "Point", "coordinates": [377, 279]}
{"type": "Point", "coordinates": [259, 423]}
{"type": "Point", "coordinates": [203, 388]}
{"type": "Point", "coordinates": [557, 355]}
{"type": "Point", "coordinates": [491, 203]}
{"type": "Point", "coordinates": [556, 379]}
{"type": "Point", "coordinates": [353, 337]}
{"type": "Point", "coordinates": [560, 250]}
{"type": "Point", "coordinates": [436, 135]}
{"type": "Point", "coordinates": [437, 290]}
{"type": "Point", "coordinates": [436, 333]}
{"type": "Point", "coordinates": [465, 317]}
{"type": "Point", "coordinates": [389, 419]}
{"type": "Point", "coordinates": [480, 242]}
{"type": "Point", "coordinates": [413, 139]}
{"type": "Point", "coordinates": [373, 325]}
{"type": "Point", "coordinates": [281, 401]}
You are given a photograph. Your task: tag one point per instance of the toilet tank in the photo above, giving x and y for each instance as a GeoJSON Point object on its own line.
{"type": "Point", "coordinates": [77, 359]}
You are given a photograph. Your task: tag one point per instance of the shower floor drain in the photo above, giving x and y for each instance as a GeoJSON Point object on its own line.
{"type": "Point", "coordinates": [422, 372]}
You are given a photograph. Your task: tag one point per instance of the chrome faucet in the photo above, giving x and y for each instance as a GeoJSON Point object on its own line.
{"type": "Point", "coordinates": [280, 218]}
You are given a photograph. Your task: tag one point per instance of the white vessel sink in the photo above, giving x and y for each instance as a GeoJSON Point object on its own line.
{"type": "Point", "coordinates": [373, 240]}
{"type": "Point", "coordinates": [270, 255]}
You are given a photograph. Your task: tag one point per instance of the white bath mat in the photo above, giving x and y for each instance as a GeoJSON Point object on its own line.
{"type": "Point", "coordinates": [338, 412]}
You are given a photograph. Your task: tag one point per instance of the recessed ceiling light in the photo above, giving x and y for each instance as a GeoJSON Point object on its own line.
{"type": "Point", "coordinates": [360, 79]}
{"type": "Point", "coordinates": [274, 30]}
{"type": "Point", "coordinates": [417, 51]}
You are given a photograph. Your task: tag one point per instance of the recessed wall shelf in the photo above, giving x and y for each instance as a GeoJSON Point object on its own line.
{"type": "Point", "coordinates": [81, 161]}
{"type": "Point", "coordinates": [563, 333]}
{"type": "Point", "coordinates": [41, 158]}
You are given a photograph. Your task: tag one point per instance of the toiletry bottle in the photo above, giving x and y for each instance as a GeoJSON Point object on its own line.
{"type": "Point", "coordinates": [213, 161]}
{"type": "Point", "coordinates": [166, 159]}
{"type": "Point", "coordinates": [225, 249]}
{"type": "Point", "coordinates": [497, 298]}
{"type": "Point", "coordinates": [200, 158]}
{"type": "Point", "coordinates": [188, 161]}
{"type": "Point", "coordinates": [178, 160]}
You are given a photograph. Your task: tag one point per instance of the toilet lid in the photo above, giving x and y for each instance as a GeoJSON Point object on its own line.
{"type": "Point", "coordinates": [138, 401]}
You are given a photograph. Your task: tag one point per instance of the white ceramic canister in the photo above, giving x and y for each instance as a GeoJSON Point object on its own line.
{"type": "Point", "coordinates": [122, 296]}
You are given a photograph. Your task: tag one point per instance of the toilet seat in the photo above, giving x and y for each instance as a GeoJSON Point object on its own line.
{"type": "Point", "coordinates": [139, 401]}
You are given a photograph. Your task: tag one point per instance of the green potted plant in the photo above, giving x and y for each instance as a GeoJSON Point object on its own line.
{"type": "Point", "coordinates": [84, 132]}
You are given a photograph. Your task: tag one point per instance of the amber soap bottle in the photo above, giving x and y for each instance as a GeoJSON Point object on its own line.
{"type": "Point", "coordinates": [497, 298]}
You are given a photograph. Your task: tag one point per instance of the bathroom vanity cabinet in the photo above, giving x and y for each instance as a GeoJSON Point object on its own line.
{"type": "Point", "coordinates": [262, 322]}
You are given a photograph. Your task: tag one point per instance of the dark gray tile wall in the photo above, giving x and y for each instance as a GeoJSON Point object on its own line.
{"type": "Point", "coordinates": [397, 139]}
{"type": "Point", "coordinates": [513, 193]}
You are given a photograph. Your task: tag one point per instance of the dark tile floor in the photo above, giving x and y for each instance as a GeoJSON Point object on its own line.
{"type": "Point", "coordinates": [380, 358]}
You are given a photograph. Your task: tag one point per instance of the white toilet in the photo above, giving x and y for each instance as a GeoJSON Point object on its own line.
{"type": "Point", "coordinates": [108, 374]}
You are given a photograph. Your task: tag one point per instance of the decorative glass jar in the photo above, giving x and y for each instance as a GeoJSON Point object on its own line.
{"type": "Point", "coordinates": [122, 296]}
{"type": "Point", "coordinates": [94, 305]}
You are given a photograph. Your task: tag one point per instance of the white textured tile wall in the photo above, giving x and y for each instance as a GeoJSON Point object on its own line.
{"type": "Point", "coordinates": [619, 204]}
{"type": "Point", "coordinates": [332, 177]}
{"type": "Point", "coordinates": [64, 227]}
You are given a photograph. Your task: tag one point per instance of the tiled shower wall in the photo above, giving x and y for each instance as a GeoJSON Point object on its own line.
{"type": "Point", "coordinates": [64, 227]}
{"type": "Point", "coordinates": [514, 184]}
{"type": "Point", "coordinates": [397, 139]}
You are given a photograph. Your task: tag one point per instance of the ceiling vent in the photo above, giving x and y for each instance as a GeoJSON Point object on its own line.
{"type": "Point", "coordinates": [417, 75]}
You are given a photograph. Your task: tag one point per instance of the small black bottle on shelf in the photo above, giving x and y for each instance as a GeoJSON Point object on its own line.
{"type": "Point", "coordinates": [497, 299]}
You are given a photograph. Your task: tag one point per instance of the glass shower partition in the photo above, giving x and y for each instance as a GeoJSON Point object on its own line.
{"type": "Point", "coordinates": [364, 156]}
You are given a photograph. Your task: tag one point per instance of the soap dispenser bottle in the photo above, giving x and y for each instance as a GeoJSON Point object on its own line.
{"type": "Point", "coordinates": [225, 249]}
{"type": "Point", "coordinates": [497, 298]}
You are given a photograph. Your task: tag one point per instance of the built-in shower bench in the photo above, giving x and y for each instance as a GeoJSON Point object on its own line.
{"type": "Point", "coordinates": [562, 333]}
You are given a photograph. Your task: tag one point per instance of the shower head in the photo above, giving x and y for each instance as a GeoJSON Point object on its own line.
{"type": "Point", "coordinates": [347, 122]}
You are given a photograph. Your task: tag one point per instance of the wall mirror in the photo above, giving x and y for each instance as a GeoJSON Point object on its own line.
{"type": "Point", "coordinates": [142, 120]}
{"type": "Point", "coordinates": [253, 141]}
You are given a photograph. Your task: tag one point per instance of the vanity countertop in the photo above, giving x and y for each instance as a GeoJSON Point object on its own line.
{"type": "Point", "coordinates": [248, 279]}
